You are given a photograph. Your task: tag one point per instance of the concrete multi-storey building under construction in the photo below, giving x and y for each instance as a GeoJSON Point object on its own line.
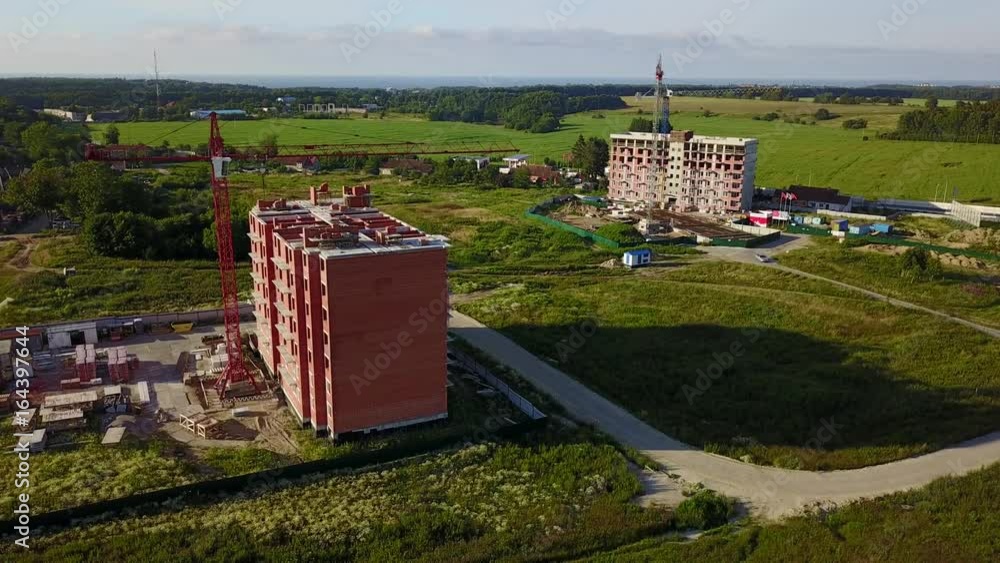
{"type": "Point", "coordinates": [684, 171]}
{"type": "Point", "coordinates": [352, 312]}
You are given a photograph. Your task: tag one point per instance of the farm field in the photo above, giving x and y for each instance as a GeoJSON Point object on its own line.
{"type": "Point", "coordinates": [896, 383]}
{"type": "Point", "coordinates": [965, 293]}
{"type": "Point", "coordinates": [822, 155]}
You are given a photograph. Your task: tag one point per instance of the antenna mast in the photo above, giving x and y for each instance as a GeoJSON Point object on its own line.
{"type": "Point", "coordinates": [156, 72]}
{"type": "Point", "coordinates": [661, 128]}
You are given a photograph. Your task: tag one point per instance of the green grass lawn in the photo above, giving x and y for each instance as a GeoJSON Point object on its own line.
{"type": "Point", "coordinates": [898, 383]}
{"type": "Point", "coordinates": [969, 294]}
{"type": "Point", "coordinates": [822, 155]}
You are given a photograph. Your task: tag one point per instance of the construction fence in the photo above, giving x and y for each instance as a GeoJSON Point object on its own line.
{"type": "Point", "coordinates": [524, 405]}
{"type": "Point", "coordinates": [535, 214]}
{"type": "Point", "coordinates": [218, 490]}
{"type": "Point", "coordinates": [747, 242]}
{"type": "Point", "coordinates": [210, 317]}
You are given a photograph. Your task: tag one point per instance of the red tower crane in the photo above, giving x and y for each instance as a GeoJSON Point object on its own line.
{"type": "Point", "coordinates": [220, 158]}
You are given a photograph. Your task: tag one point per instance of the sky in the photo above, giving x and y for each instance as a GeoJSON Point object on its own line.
{"type": "Point", "coordinates": [869, 40]}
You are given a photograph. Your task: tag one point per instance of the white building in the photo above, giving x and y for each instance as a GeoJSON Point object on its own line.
{"type": "Point", "coordinates": [517, 161]}
{"type": "Point", "coordinates": [73, 116]}
{"type": "Point", "coordinates": [684, 171]}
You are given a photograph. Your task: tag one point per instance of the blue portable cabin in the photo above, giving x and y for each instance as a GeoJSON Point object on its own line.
{"type": "Point", "coordinates": [861, 230]}
{"type": "Point", "coordinates": [637, 258]}
{"type": "Point", "coordinates": [882, 228]}
{"type": "Point", "coordinates": [841, 225]}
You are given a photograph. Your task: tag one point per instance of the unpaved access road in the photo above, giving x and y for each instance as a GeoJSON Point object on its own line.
{"type": "Point", "coordinates": [767, 491]}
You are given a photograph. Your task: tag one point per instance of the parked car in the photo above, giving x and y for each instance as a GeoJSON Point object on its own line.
{"type": "Point", "coordinates": [763, 258]}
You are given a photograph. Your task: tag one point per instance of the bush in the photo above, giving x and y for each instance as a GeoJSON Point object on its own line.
{"type": "Point", "coordinates": [823, 114]}
{"type": "Point", "coordinates": [918, 264]}
{"type": "Point", "coordinates": [625, 235]}
{"type": "Point", "coordinates": [767, 117]}
{"type": "Point", "coordinates": [704, 511]}
{"type": "Point", "coordinates": [856, 124]}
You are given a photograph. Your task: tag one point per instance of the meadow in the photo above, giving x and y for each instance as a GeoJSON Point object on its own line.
{"type": "Point", "coordinates": [549, 501]}
{"type": "Point", "coordinates": [824, 154]}
{"type": "Point", "coordinates": [965, 293]}
{"type": "Point", "coordinates": [40, 293]}
{"type": "Point", "coordinates": [749, 363]}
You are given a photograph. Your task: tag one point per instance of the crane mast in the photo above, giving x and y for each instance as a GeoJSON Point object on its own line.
{"type": "Point", "coordinates": [235, 371]}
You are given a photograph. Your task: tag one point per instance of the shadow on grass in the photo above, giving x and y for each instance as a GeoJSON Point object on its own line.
{"type": "Point", "coordinates": [772, 393]}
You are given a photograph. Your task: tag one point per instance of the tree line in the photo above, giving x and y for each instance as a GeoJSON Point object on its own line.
{"type": "Point", "coordinates": [967, 122]}
{"type": "Point", "coordinates": [537, 109]}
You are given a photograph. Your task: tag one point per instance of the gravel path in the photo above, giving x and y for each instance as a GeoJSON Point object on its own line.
{"type": "Point", "coordinates": [767, 491]}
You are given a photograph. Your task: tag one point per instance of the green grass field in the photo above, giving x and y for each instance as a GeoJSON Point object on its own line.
{"type": "Point", "coordinates": [102, 286]}
{"type": "Point", "coordinates": [900, 383]}
{"type": "Point", "coordinates": [823, 154]}
{"type": "Point", "coordinates": [969, 294]}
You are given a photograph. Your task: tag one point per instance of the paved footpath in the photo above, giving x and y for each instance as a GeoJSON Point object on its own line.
{"type": "Point", "coordinates": [767, 491]}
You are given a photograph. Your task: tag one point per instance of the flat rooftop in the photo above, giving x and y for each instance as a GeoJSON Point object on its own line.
{"type": "Point", "coordinates": [333, 231]}
{"type": "Point", "coordinates": [632, 135]}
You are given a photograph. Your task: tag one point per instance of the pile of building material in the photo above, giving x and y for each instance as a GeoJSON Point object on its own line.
{"type": "Point", "coordinates": [219, 359]}
{"type": "Point", "coordinates": [119, 367]}
{"type": "Point", "coordinates": [86, 363]}
{"type": "Point", "coordinates": [68, 411]}
{"type": "Point", "coordinates": [116, 399]}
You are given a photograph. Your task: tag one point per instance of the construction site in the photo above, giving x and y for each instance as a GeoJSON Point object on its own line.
{"type": "Point", "coordinates": [347, 333]}
{"type": "Point", "coordinates": [658, 225]}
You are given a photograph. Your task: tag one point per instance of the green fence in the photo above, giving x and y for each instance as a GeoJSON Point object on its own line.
{"type": "Point", "coordinates": [593, 237]}
{"type": "Point", "coordinates": [811, 231]}
{"type": "Point", "coordinates": [747, 243]}
{"type": "Point", "coordinates": [208, 491]}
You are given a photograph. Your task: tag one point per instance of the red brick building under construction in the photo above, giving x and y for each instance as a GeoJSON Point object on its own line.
{"type": "Point", "coordinates": [352, 312]}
